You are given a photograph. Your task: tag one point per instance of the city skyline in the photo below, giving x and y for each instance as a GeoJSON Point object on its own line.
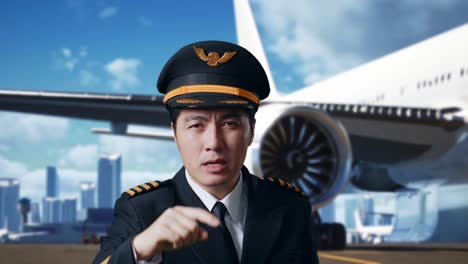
{"type": "Point", "coordinates": [304, 43]}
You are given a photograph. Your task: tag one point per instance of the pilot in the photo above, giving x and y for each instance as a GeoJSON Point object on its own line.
{"type": "Point", "coordinates": [213, 210]}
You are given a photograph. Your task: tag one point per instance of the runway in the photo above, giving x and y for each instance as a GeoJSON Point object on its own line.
{"type": "Point", "coordinates": [396, 253]}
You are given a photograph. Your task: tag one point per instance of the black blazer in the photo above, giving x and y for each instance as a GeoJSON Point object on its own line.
{"type": "Point", "coordinates": [277, 225]}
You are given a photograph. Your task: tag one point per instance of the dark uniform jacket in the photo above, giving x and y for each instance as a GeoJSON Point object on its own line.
{"type": "Point", "coordinates": [277, 225]}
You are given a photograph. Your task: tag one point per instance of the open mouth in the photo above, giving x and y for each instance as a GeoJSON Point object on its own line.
{"type": "Point", "coordinates": [216, 162]}
{"type": "Point", "coordinates": [214, 166]}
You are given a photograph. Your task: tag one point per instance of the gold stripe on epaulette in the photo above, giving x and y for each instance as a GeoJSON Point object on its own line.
{"type": "Point", "coordinates": [106, 260]}
{"type": "Point", "coordinates": [282, 183]}
{"type": "Point", "coordinates": [143, 188]}
{"type": "Point", "coordinates": [155, 184]}
{"type": "Point", "coordinates": [137, 189]}
{"type": "Point", "coordinates": [146, 186]}
{"type": "Point", "coordinates": [131, 192]}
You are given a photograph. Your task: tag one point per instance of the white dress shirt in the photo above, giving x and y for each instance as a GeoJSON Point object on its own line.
{"type": "Point", "coordinates": [236, 204]}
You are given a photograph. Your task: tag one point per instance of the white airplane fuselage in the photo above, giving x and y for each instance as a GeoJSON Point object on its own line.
{"type": "Point", "coordinates": [432, 73]}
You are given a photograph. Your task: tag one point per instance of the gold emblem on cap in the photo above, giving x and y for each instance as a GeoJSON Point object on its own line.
{"type": "Point", "coordinates": [213, 59]}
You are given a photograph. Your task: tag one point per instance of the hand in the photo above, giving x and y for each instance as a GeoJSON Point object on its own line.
{"type": "Point", "coordinates": [177, 227]}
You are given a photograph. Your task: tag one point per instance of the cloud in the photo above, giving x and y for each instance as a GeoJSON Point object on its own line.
{"type": "Point", "coordinates": [65, 60]}
{"type": "Point", "coordinates": [124, 72]}
{"type": "Point", "coordinates": [317, 39]}
{"type": "Point", "coordinates": [11, 169]}
{"type": "Point", "coordinates": [32, 128]}
{"type": "Point", "coordinates": [145, 21]}
{"type": "Point", "coordinates": [108, 12]}
{"type": "Point", "coordinates": [80, 157]}
{"type": "Point", "coordinates": [66, 53]}
{"type": "Point", "coordinates": [69, 61]}
{"type": "Point", "coordinates": [142, 154]}
{"type": "Point", "coordinates": [88, 79]}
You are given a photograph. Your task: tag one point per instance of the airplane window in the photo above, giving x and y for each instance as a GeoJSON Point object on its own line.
{"type": "Point", "coordinates": [462, 72]}
{"type": "Point", "coordinates": [436, 80]}
{"type": "Point", "coordinates": [442, 78]}
{"type": "Point", "coordinates": [448, 76]}
{"type": "Point", "coordinates": [429, 83]}
{"type": "Point", "coordinates": [418, 85]}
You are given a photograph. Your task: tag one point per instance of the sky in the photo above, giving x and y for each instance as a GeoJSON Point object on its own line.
{"type": "Point", "coordinates": [120, 47]}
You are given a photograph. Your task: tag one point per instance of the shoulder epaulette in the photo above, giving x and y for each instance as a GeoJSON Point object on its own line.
{"type": "Point", "coordinates": [282, 183]}
{"type": "Point", "coordinates": [143, 188]}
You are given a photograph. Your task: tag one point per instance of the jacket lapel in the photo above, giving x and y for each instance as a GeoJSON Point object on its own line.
{"type": "Point", "coordinates": [263, 222]}
{"type": "Point", "coordinates": [206, 251]}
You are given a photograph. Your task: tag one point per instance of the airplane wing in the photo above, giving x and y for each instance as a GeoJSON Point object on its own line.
{"type": "Point", "coordinates": [394, 134]}
{"type": "Point", "coordinates": [374, 130]}
{"type": "Point", "coordinates": [120, 110]}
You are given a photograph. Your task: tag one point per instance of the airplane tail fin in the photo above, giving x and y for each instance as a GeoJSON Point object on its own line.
{"type": "Point", "coordinates": [357, 220]}
{"type": "Point", "coordinates": [248, 37]}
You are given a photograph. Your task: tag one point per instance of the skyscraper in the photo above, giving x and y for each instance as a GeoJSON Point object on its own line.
{"type": "Point", "coordinates": [52, 182]}
{"type": "Point", "coordinates": [87, 195]}
{"type": "Point", "coordinates": [35, 215]}
{"type": "Point", "coordinates": [51, 210]}
{"type": "Point", "coordinates": [68, 210]}
{"type": "Point", "coordinates": [109, 186]}
{"type": "Point", "coordinates": [9, 196]}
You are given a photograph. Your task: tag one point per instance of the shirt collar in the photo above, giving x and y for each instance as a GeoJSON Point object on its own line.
{"type": "Point", "coordinates": [234, 201]}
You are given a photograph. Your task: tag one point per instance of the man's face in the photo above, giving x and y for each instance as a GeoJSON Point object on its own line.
{"type": "Point", "coordinates": [213, 145]}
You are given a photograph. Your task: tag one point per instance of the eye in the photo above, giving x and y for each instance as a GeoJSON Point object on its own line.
{"type": "Point", "coordinates": [231, 123]}
{"type": "Point", "coordinates": [197, 125]}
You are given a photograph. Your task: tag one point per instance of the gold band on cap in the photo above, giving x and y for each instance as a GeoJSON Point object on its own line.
{"type": "Point", "coordinates": [211, 88]}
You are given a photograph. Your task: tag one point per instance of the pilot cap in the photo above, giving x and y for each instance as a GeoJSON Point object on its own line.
{"type": "Point", "coordinates": [213, 74]}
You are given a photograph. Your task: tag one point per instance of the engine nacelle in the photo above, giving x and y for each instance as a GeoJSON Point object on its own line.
{"type": "Point", "coordinates": [304, 147]}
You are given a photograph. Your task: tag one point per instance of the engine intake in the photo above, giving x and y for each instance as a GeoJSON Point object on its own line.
{"type": "Point", "coordinates": [308, 149]}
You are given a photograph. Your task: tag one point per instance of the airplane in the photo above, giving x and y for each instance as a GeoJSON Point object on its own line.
{"type": "Point", "coordinates": [374, 234]}
{"type": "Point", "coordinates": [386, 126]}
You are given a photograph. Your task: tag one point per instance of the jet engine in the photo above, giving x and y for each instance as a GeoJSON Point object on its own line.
{"type": "Point", "coordinates": [304, 147]}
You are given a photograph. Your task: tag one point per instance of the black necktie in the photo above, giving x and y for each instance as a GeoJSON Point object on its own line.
{"type": "Point", "coordinates": [220, 210]}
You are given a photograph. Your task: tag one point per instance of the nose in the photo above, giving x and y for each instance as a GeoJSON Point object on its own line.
{"type": "Point", "coordinates": [214, 139]}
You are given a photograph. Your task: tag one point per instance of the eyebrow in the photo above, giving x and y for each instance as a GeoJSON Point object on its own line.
{"type": "Point", "coordinates": [204, 118]}
{"type": "Point", "coordinates": [195, 117]}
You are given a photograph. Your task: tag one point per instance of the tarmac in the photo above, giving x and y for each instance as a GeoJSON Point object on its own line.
{"type": "Point", "coordinates": [363, 254]}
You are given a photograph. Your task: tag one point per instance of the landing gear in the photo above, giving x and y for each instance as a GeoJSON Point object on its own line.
{"type": "Point", "coordinates": [328, 236]}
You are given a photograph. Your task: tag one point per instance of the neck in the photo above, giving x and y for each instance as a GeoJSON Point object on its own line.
{"type": "Point", "coordinates": [220, 191]}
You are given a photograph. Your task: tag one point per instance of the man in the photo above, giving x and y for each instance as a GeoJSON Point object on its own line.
{"type": "Point", "coordinates": [213, 210]}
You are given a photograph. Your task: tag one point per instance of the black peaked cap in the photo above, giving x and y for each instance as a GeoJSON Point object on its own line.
{"type": "Point", "coordinates": [213, 74]}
